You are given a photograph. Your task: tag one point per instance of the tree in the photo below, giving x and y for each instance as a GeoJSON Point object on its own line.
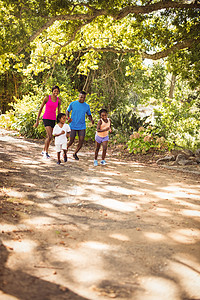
{"type": "Point", "coordinates": [152, 29]}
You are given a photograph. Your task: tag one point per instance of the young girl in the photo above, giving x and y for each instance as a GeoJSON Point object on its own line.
{"type": "Point", "coordinates": [61, 132]}
{"type": "Point", "coordinates": [51, 103]}
{"type": "Point", "coordinates": [101, 137]}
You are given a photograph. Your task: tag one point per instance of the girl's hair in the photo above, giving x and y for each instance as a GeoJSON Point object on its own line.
{"type": "Point", "coordinates": [59, 116]}
{"type": "Point", "coordinates": [55, 87]}
{"type": "Point", "coordinates": [103, 110]}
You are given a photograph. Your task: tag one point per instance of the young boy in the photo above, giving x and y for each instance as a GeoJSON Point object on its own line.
{"type": "Point", "coordinates": [61, 132]}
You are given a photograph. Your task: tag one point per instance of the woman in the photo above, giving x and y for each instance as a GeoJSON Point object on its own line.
{"type": "Point", "coordinates": [52, 102]}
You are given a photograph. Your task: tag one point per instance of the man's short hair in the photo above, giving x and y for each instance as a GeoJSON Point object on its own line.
{"type": "Point", "coordinates": [83, 93]}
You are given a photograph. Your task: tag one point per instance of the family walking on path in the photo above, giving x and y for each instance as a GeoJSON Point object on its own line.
{"type": "Point", "coordinates": [78, 109]}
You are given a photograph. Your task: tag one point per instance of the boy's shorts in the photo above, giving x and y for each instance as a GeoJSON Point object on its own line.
{"type": "Point", "coordinates": [60, 147]}
{"type": "Point", "coordinates": [100, 140]}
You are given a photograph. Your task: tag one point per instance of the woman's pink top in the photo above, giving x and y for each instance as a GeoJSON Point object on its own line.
{"type": "Point", "coordinates": [50, 109]}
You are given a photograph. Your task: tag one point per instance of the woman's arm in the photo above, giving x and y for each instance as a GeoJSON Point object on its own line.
{"type": "Point", "coordinates": [59, 105]}
{"type": "Point", "coordinates": [40, 111]}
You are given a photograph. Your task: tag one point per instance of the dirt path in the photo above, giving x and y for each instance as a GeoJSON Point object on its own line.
{"type": "Point", "coordinates": [124, 231]}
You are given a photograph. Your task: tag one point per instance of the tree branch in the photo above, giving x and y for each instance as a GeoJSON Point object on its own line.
{"type": "Point", "coordinates": [146, 9]}
{"type": "Point", "coordinates": [155, 56]}
{"type": "Point", "coordinates": [165, 4]}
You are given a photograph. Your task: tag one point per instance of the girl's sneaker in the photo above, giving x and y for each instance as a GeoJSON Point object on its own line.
{"type": "Point", "coordinates": [65, 158]}
{"type": "Point", "coordinates": [103, 162]}
{"type": "Point", "coordinates": [95, 163]}
{"type": "Point", "coordinates": [59, 162]}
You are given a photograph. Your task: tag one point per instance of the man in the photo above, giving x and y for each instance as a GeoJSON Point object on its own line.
{"type": "Point", "coordinates": [77, 121]}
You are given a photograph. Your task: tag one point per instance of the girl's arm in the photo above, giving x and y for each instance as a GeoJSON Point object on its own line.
{"type": "Point", "coordinates": [99, 126]}
{"type": "Point", "coordinates": [40, 110]}
{"type": "Point", "coordinates": [110, 127]}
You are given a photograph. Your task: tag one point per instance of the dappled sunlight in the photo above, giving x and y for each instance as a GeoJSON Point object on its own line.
{"type": "Point", "coordinates": [7, 296]}
{"type": "Point", "coordinates": [114, 173]}
{"type": "Point", "coordinates": [182, 191]}
{"type": "Point", "coordinates": [95, 245]}
{"type": "Point", "coordinates": [123, 191]}
{"type": "Point", "coordinates": [166, 196]}
{"type": "Point", "coordinates": [43, 195]}
{"type": "Point", "coordinates": [22, 246]}
{"type": "Point", "coordinates": [29, 184]}
{"type": "Point", "coordinates": [163, 212]}
{"type": "Point", "coordinates": [120, 237]}
{"type": "Point", "coordinates": [188, 204]}
{"type": "Point", "coordinates": [45, 205]}
{"type": "Point", "coordinates": [190, 213]}
{"type": "Point", "coordinates": [39, 221]}
{"type": "Point", "coordinates": [117, 162]}
{"type": "Point", "coordinates": [154, 236]}
{"type": "Point", "coordinates": [187, 275]}
{"type": "Point", "coordinates": [7, 227]}
{"type": "Point", "coordinates": [86, 261]}
{"type": "Point", "coordinates": [26, 161]}
{"type": "Point", "coordinates": [118, 205]}
{"type": "Point", "coordinates": [183, 236]}
{"type": "Point", "coordinates": [144, 181]}
{"type": "Point", "coordinates": [13, 193]}
{"type": "Point", "coordinates": [157, 288]}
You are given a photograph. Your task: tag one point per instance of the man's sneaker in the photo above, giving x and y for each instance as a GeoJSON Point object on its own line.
{"type": "Point", "coordinates": [59, 162]}
{"type": "Point", "coordinates": [75, 156]}
{"type": "Point", "coordinates": [103, 162]}
{"type": "Point", "coordinates": [95, 163]}
{"type": "Point", "coordinates": [65, 158]}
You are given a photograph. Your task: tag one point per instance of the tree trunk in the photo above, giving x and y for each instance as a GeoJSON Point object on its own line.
{"type": "Point", "coordinates": [172, 86]}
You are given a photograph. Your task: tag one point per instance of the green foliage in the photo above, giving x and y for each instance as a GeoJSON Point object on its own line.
{"type": "Point", "coordinates": [180, 122]}
{"type": "Point", "coordinates": [145, 140]}
{"type": "Point", "coordinates": [7, 119]}
{"type": "Point", "coordinates": [125, 120]}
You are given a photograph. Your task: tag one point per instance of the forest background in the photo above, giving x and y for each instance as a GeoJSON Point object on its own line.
{"type": "Point", "coordinates": [129, 56]}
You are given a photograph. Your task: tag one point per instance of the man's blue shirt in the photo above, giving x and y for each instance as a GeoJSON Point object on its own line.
{"type": "Point", "coordinates": [78, 114]}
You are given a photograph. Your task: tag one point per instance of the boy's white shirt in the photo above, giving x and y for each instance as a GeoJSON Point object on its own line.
{"type": "Point", "coordinates": [61, 139]}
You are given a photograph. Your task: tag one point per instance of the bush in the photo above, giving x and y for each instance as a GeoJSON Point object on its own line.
{"type": "Point", "coordinates": [179, 121]}
{"type": "Point", "coordinates": [146, 140]}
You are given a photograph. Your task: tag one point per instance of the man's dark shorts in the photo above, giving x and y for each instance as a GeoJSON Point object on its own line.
{"type": "Point", "coordinates": [48, 122]}
{"type": "Point", "coordinates": [80, 133]}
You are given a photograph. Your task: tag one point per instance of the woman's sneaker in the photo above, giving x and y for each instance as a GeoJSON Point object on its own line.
{"type": "Point", "coordinates": [46, 155]}
{"type": "Point", "coordinates": [103, 162]}
{"type": "Point", "coordinates": [95, 163]}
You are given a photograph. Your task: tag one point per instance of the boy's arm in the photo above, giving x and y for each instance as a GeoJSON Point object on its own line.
{"type": "Point", "coordinates": [56, 132]}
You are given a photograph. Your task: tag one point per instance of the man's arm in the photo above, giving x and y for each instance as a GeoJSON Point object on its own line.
{"type": "Point", "coordinates": [91, 119]}
{"type": "Point", "coordinates": [68, 117]}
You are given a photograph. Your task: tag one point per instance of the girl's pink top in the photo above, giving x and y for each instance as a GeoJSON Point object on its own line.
{"type": "Point", "coordinates": [104, 125]}
{"type": "Point", "coordinates": [50, 109]}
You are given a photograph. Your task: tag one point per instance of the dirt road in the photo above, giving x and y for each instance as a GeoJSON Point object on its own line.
{"type": "Point", "coordinates": [121, 231]}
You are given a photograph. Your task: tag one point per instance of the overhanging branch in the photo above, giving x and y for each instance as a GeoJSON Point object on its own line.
{"type": "Point", "coordinates": [155, 56]}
